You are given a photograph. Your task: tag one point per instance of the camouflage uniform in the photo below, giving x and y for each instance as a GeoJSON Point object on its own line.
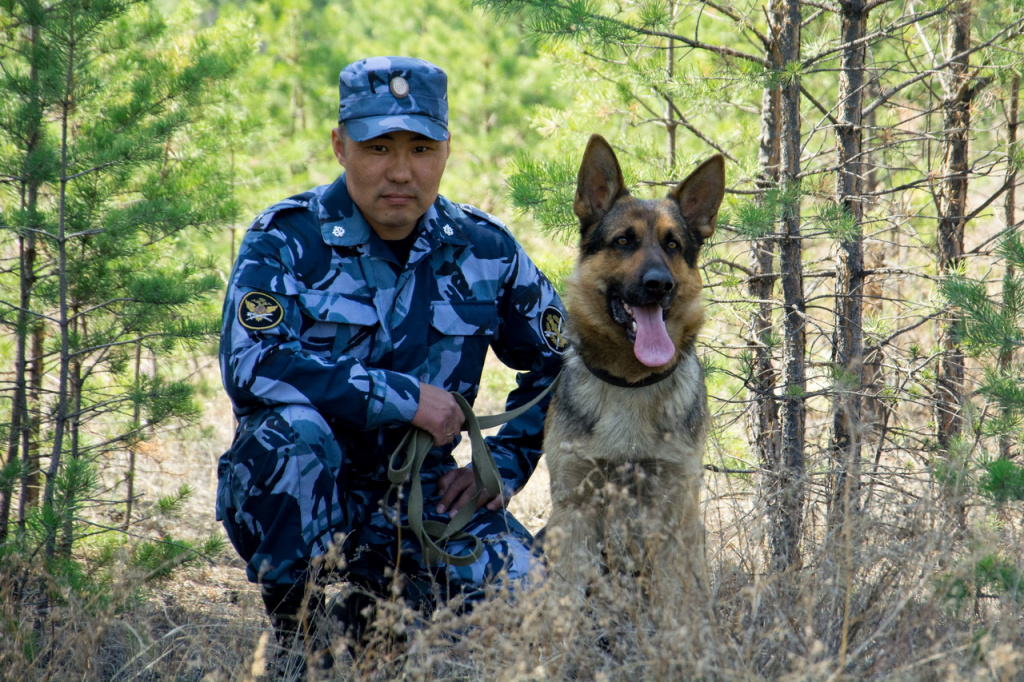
{"type": "Point", "coordinates": [326, 337]}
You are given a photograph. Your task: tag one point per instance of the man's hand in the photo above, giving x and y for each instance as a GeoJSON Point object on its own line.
{"type": "Point", "coordinates": [438, 414]}
{"type": "Point", "coordinates": [457, 487]}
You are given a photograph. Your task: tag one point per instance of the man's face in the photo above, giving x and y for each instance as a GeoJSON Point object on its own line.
{"type": "Point", "coordinates": [392, 178]}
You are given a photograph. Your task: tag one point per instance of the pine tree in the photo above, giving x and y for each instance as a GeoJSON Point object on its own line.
{"type": "Point", "coordinates": [844, 155]}
{"type": "Point", "coordinates": [990, 328]}
{"type": "Point", "coordinates": [648, 74]}
{"type": "Point", "coordinates": [112, 164]}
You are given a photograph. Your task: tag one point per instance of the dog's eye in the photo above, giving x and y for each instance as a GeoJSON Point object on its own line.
{"type": "Point", "coordinates": [672, 245]}
{"type": "Point", "coordinates": [622, 241]}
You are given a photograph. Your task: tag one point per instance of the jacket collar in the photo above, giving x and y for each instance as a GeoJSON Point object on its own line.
{"type": "Point", "coordinates": [342, 224]}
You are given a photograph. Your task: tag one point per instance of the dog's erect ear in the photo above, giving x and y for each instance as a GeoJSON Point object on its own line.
{"type": "Point", "coordinates": [700, 195]}
{"type": "Point", "coordinates": [599, 183]}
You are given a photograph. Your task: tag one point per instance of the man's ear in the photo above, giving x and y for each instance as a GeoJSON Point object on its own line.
{"type": "Point", "coordinates": [338, 144]}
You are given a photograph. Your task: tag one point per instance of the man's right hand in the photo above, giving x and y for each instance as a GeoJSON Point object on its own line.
{"type": "Point", "coordinates": [438, 414]}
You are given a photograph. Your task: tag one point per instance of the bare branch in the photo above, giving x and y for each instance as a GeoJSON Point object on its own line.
{"type": "Point", "coordinates": [890, 92]}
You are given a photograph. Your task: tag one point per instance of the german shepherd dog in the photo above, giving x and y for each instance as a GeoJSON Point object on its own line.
{"type": "Point", "coordinates": [626, 426]}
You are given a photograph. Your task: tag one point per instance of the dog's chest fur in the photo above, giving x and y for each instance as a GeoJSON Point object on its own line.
{"type": "Point", "coordinates": [624, 434]}
{"type": "Point", "coordinates": [597, 422]}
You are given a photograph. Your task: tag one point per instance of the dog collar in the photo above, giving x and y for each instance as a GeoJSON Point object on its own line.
{"type": "Point", "coordinates": [622, 383]}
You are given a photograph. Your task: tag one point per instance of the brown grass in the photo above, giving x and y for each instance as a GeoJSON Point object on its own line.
{"type": "Point", "coordinates": [866, 605]}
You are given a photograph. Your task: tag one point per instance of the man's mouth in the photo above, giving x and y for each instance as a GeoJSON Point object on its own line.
{"type": "Point", "coordinates": [398, 199]}
{"type": "Point", "coordinates": [645, 329]}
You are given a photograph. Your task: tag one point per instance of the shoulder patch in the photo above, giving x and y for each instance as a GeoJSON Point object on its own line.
{"type": "Point", "coordinates": [259, 311]}
{"type": "Point", "coordinates": [552, 327]}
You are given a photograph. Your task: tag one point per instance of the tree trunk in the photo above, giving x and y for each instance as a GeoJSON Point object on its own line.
{"type": "Point", "coordinates": [133, 448]}
{"type": "Point", "coordinates": [30, 442]}
{"type": "Point", "coordinates": [21, 421]}
{"type": "Point", "coordinates": [670, 68]}
{"type": "Point", "coordinates": [956, 115]}
{"type": "Point", "coordinates": [74, 432]}
{"type": "Point", "coordinates": [1010, 213]}
{"type": "Point", "coordinates": [786, 536]}
{"type": "Point", "coordinates": [61, 412]}
{"type": "Point", "coordinates": [763, 417]}
{"type": "Point", "coordinates": [848, 341]}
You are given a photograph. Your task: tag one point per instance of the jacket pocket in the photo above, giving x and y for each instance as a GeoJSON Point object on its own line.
{"type": "Point", "coordinates": [343, 324]}
{"type": "Point", "coordinates": [460, 334]}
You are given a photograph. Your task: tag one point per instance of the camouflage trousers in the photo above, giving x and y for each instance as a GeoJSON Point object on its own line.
{"type": "Point", "coordinates": [284, 499]}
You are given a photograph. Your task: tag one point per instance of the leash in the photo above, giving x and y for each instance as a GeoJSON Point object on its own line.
{"type": "Point", "coordinates": [407, 460]}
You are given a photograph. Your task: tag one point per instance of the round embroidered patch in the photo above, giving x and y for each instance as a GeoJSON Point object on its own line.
{"type": "Point", "coordinates": [552, 326]}
{"type": "Point", "coordinates": [259, 311]}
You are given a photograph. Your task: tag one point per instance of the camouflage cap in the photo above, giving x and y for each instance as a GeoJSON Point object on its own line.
{"type": "Point", "coordinates": [383, 94]}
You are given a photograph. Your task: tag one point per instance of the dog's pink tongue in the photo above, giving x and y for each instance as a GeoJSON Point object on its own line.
{"type": "Point", "coordinates": [653, 347]}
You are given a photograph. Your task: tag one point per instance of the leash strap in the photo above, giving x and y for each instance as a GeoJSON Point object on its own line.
{"type": "Point", "coordinates": [407, 460]}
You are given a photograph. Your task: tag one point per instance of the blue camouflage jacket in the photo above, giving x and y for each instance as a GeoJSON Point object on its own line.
{"type": "Point", "coordinates": [319, 312]}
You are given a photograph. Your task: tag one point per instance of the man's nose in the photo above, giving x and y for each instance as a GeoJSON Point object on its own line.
{"type": "Point", "coordinates": [400, 168]}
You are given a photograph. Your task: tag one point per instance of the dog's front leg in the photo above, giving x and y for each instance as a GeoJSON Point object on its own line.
{"type": "Point", "coordinates": [574, 537]}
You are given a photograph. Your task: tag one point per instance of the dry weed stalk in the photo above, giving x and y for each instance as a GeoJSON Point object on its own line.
{"type": "Point", "coordinates": [887, 577]}
{"type": "Point", "coordinates": [899, 622]}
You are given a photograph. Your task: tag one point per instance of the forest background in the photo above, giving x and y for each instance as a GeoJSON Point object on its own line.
{"type": "Point", "coordinates": [863, 489]}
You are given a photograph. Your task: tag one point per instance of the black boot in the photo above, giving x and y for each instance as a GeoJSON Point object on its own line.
{"type": "Point", "coordinates": [352, 611]}
{"type": "Point", "coordinates": [296, 613]}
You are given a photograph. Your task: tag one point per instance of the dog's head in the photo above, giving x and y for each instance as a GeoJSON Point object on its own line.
{"type": "Point", "coordinates": [637, 282]}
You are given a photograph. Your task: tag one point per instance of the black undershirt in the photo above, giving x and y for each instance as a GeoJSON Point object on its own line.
{"type": "Point", "coordinates": [401, 247]}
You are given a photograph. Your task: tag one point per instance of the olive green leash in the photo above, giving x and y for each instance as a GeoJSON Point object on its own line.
{"type": "Point", "coordinates": [407, 459]}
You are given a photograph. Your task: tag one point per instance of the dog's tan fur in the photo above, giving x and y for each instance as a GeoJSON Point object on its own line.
{"type": "Point", "coordinates": [625, 461]}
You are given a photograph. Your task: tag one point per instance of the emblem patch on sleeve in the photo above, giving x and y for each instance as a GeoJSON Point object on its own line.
{"type": "Point", "coordinates": [259, 311]}
{"type": "Point", "coordinates": [552, 326]}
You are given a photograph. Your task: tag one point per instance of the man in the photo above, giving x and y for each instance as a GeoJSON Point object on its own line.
{"type": "Point", "coordinates": [352, 310]}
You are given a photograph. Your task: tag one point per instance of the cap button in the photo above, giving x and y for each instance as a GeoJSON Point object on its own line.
{"type": "Point", "coordinates": [399, 87]}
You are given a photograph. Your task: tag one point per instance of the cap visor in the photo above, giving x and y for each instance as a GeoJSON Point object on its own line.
{"type": "Point", "coordinates": [362, 129]}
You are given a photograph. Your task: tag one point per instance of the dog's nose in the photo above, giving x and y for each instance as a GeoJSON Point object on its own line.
{"type": "Point", "coordinates": [658, 281]}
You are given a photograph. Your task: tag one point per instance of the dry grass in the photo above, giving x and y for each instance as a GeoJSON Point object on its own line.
{"type": "Point", "coordinates": [866, 605]}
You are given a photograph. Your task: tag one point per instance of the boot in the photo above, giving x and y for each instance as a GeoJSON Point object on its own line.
{"type": "Point", "coordinates": [351, 612]}
{"type": "Point", "coordinates": [296, 618]}
{"type": "Point", "coordinates": [354, 609]}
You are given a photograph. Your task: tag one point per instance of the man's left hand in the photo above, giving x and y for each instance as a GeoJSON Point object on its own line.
{"type": "Point", "coordinates": [457, 487]}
